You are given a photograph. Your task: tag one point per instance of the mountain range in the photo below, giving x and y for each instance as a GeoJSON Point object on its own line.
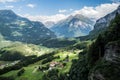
{"type": "Point", "coordinates": [16, 28]}
{"type": "Point", "coordinates": [73, 26]}
{"type": "Point", "coordinates": [101, 25]}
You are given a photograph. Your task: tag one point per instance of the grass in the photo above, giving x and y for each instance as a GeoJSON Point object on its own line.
{"type": "Point", "coordinates": [11, 73]}
{"type": "Point", "coordinates": [32, 74]}
{"type": "Point", "coordinates": [26, 49]}
{"type": "Point", "coordinates": [27, 75]}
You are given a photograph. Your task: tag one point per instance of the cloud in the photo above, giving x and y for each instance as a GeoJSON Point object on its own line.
{"type": "Point", "coordinates": [98, 11]}
{"type": "Point", "coordinates": [71, 9]}
{"type": "Point", "coordinates": [65, 11]}
{"type": "Point", "coordinates": [44, 19]}
{"type": "Point", "coordinates": [4, 1]}
{"type": "Point", "coordinates": [19, 9]}
{"type": "Point", "coordinates": [90, 12]}
{"type": "Point", "coordinates": [31, 5]}
{"type": "Point", "coordinates": [10, 6]}
{"type": "Point", "coordinates": [62, 11]}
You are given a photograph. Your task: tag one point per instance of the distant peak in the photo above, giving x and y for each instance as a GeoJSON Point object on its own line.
{"type": "Point", "coordinates": [76, 16]}
{"type": "Point", "coordinates": [79, 15]}
{"type": "Point", "coordinates": [7, 12]}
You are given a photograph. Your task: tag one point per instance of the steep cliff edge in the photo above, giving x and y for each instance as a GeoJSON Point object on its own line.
{"type": "Point", "coordinates": [101, 25]}
{"type": "Point", "coordinates": [108, 68]}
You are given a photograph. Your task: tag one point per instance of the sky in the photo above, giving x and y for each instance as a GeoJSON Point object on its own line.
{"type": "Point", "coordinates": [55, 10]}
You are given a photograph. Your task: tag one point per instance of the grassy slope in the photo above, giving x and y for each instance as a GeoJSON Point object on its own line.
{"type": "Point", "coordinates": [26, 49]}
{"type": "Point", "coordinates": [32, 74]}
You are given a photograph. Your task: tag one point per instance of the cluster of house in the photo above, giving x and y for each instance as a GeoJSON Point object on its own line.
{"type": "Point", "coordinates": [52, 65]}
{"type": "Point", "coordinates": [55, 64]}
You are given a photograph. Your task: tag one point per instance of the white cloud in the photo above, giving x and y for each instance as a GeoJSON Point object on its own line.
{"type": "Point", "coordinates": [91, 12]}
{"type": "Point", "coordinates": [44, 19]}
{"type": "Point", "coordinates": [31, 5]}
{"type": "Point", "coordinates": [71, 9]}
{"type": "Point", "coordinates": [98, 11]}
{"type": "Point", "coordinates": [4, 1]}
{"type": "Point", "coordinates": [62, 11]}
{"type": "Point", "coordinates": [10, 6]}
{"type": "Point", "coordinates": [19, 9]}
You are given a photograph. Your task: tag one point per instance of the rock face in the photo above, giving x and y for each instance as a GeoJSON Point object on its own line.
{"type": "Point", "coordinates": [96, 76]}
{"type": "Point", "coordinates": [105, 21]}
{"type": "Point", "coordinates": [102, 23]}
{"type": "Point", "coordinates": [73, 26]}
{"type": "Point", "coordinates": [108, 68]}
{"type": "Point", "coordinates": [16, 28]}
{"type": "Point", "coordinates": [112, 52]}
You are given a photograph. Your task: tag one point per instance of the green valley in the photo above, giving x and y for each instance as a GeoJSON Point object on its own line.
{"type": "Point", "coordinates": [67, 49]}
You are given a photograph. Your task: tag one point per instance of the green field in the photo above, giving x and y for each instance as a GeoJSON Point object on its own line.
{"type": "Point", "coordinates": [33, 73]}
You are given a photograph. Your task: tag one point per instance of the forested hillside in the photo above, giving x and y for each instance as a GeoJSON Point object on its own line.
{"type": "Point", "coordinates": [101, 60]}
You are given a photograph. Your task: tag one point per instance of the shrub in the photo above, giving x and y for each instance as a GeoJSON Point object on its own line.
{"type": "Point", "coordinates": [20, 72]}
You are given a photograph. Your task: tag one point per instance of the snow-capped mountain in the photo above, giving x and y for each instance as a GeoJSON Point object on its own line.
{"type": "Point", "coordinates": [49, 24]}
{"type": "Point", "coordinates": [16, 28]}
{"type": "Point", "coordinates": [73, 26]}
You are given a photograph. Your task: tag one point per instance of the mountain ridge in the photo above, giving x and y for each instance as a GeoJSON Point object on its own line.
{"type": "Point", "coordinates": [101, 25]}
{"type": "Point", "coordinates": [16, 28]}
{"type": "Point", "coordinates": [73, 26]}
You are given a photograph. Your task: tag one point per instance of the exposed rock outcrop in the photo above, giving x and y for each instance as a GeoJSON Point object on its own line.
{"type": "Point", "coordinates": [112, 52]}
{"type": "Point", "coordinates": [108, 68]}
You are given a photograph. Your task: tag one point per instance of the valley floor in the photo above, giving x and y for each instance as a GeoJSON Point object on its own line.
{"type": "Point", "coordinates": [59, 59]}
